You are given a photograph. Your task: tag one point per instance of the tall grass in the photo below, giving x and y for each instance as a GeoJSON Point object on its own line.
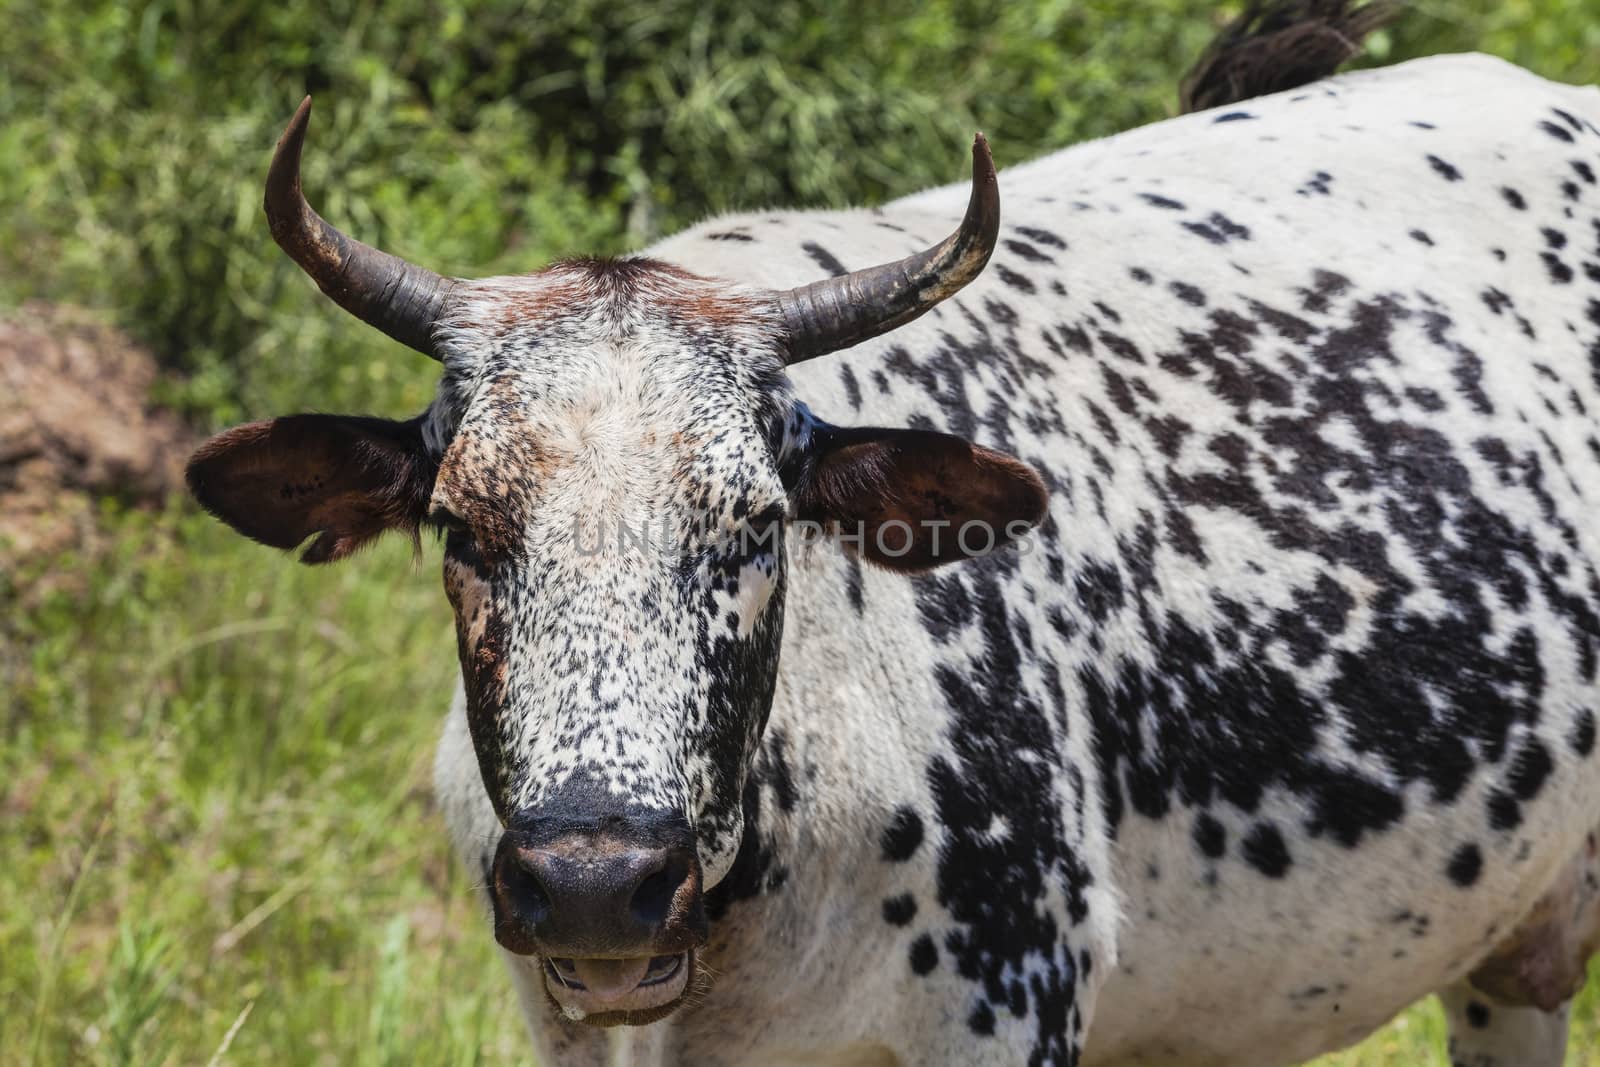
{"type": "Point", "coordinates": [214, 787]}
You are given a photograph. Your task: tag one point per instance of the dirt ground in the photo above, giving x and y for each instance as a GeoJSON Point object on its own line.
{"type": "Point", "coordinates": [76, 424]}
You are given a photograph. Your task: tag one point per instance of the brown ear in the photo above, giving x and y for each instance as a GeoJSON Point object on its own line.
{"type": "Point", "coordinates": [917, 499]}
{"type": "Point", "coordinates": [344, 479]}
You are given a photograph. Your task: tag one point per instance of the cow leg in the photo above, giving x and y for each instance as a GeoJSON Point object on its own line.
{"type": "Point", "coordinates": [1512, 1009]}
{"type": "Point", "coordinates": [1484, 1033]}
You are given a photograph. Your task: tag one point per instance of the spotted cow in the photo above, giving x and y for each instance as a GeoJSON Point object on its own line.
{"type": "Point", "coordinates": [1258, 702]}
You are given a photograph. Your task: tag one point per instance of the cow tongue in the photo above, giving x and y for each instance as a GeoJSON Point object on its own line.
{"type": "Point", "coordinates": [611, 979]}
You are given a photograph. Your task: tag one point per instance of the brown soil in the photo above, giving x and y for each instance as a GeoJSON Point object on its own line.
{"type": "Point", "coordinates": [76, 424]}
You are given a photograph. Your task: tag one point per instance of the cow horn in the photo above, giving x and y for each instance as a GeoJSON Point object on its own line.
{"type": "Point", "coordinates": [402, 300]}
{"type": "Point", "coordinates": [838, 312]}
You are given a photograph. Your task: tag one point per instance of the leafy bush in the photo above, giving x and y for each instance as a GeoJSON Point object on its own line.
{"type": "Point", "coordinates": [479, 136]}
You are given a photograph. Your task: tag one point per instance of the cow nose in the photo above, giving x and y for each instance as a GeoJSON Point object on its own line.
{"type": "Point", "coordinates": [587, 896]}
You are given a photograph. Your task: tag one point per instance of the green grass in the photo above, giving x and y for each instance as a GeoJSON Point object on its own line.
{"type": "Point", "coordinates": [214, 786]}
{"type": "Point", "coordinates": [1417, 1037]}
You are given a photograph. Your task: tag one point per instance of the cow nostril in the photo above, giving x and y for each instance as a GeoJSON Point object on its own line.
{"type": "Point", "coordinates": [652, 900]}
{"type": "Point", "coordinates": [525, 893]}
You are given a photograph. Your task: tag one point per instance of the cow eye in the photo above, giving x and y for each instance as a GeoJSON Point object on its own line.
{"type": "Point", "coordinates": [443, 518]}
{"type": "Point", "coordinates": [759, 534]}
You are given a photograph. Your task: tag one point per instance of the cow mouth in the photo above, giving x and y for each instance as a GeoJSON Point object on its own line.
{"type": "Point", "coordinates": [613, 992]}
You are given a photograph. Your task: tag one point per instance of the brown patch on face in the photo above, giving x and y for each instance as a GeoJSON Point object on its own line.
{"type": "Point", "coordinates": [705, 304]}
{"type": "Point", "coordinates": [469, 594]}
{"type": "Point", "coordinates": [573, 288]}
{"type": "Point", "coordinates": [516, 309]}
{"type": "Point", "coordinates": [487, 480]}
{"type": "Point", "coordinates": [482, 637]}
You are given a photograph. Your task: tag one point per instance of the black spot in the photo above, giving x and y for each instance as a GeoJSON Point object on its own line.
{"type": "Point", "coordinates": [1465, 866]}
{"type": "Point", "coordinates": [1099, 589]}
{"type": "Point", "coordinates": [1188, 294]}
{"type": "Point", "coordinates": [1320, 184]}
{"type": "Point", "coordinates": [853, 587]}
{"type": "Point", "coordinates": [1426, 399]}
{"type": "Point", "coordinates": [1027, 252]}
{"type": "Point", "coordinates": [1560, 273]}
{"type": "Point", "coordinates": [1162, 202]}
{"type": "Point", "coordinates": [730, 235]}
{"type": "Point", "coordinates": [1233, 116]}
{"type": "Point", "coordinates": [1044, 237]}
{"type": "Point", "coordinates": [1209, 836]}
{"type": "Point", "coordinates": [1443, 169]}
{"type": "Point", "coordinates": [1347, 806]}
{"type": "Point", "coordinates": [1477, 1014]}
{"type": "Point", "coordinates": [1218, 229]}
{"type": "Point", "coordinates": [903, 836]}
{"type": "Point", "coordinates": [823, 258]}
{"type": "Point", "coordinates": [1560, 133]}
{"type": "Point", "coordinates": [852, 387]}
{"type": "Point", "coordinates": [1017, 999]}
{"type": "Point", "coordinates": [1583, 732]}
{"type": "Point", "coordinates": [775, 769]}
{"type": "Point", "coordinates": [981, 1021]}
{"type": "Point", "coordinates": [754, 871]}
{"type": "Point", "coordinates": [1514, 198]}
{"type": "Point", "coordinates": [900, 910]}
{"type": "Point", "coordinates": [1529, 769]}
{"type": "Point", "coordinates": [1421, 236]}
{"type": "Point", "coordinates": [1264, 849]}
{"type": "Point", "coordinates": [1584, 171]}
{"type": "Point", "coordinates": [1423, 125]}
{"type": "Point", "coordinates": [1017, 281]}
{"type": "Point", "coordinates": [924, 955]}
{"type": "Point", "coordinates": [1139, 274]}
{"type": "Point", "coordinates": [1553, 237]}
{"type": "Point", "coordinates": [1504, 811]}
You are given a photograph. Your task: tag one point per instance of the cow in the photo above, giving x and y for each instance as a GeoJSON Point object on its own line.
{"type": "Point", "coordinates": [1158, 625]}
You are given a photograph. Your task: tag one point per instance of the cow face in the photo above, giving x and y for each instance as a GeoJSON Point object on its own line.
{"type": "Point", "coordinates": [615, 461]}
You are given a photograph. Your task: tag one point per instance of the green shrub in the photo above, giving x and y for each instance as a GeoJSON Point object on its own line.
{"type": "Point", "coordinates": [489, 135]}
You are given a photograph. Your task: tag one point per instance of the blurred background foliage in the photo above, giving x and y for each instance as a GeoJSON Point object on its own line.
{"type": "Point", "coordinates": [485, 136]}
{"type": "Point", "coordinates": [217, 844]}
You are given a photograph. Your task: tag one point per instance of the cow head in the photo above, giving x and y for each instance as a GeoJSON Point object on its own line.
{"type": "Point", "coordinates": [616, 460]}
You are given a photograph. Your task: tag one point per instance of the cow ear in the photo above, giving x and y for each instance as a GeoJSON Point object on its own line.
{"type": "Point", "coordinates": [343, 479]}
{"type": "Point", "coordinates": [916, 498]}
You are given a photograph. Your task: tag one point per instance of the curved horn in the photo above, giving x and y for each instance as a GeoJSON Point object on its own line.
{"type": "Point", "coordinates": [838, 312]}
{"type": "Point", "coordinates": [402, 300]}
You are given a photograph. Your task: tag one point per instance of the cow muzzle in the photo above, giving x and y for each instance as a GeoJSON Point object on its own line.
{"type": "Point", "coordinates": [614, 916]}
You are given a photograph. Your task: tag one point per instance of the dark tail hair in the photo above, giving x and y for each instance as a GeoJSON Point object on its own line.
{"type": "Point", "coordinates": [1277, 45]}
